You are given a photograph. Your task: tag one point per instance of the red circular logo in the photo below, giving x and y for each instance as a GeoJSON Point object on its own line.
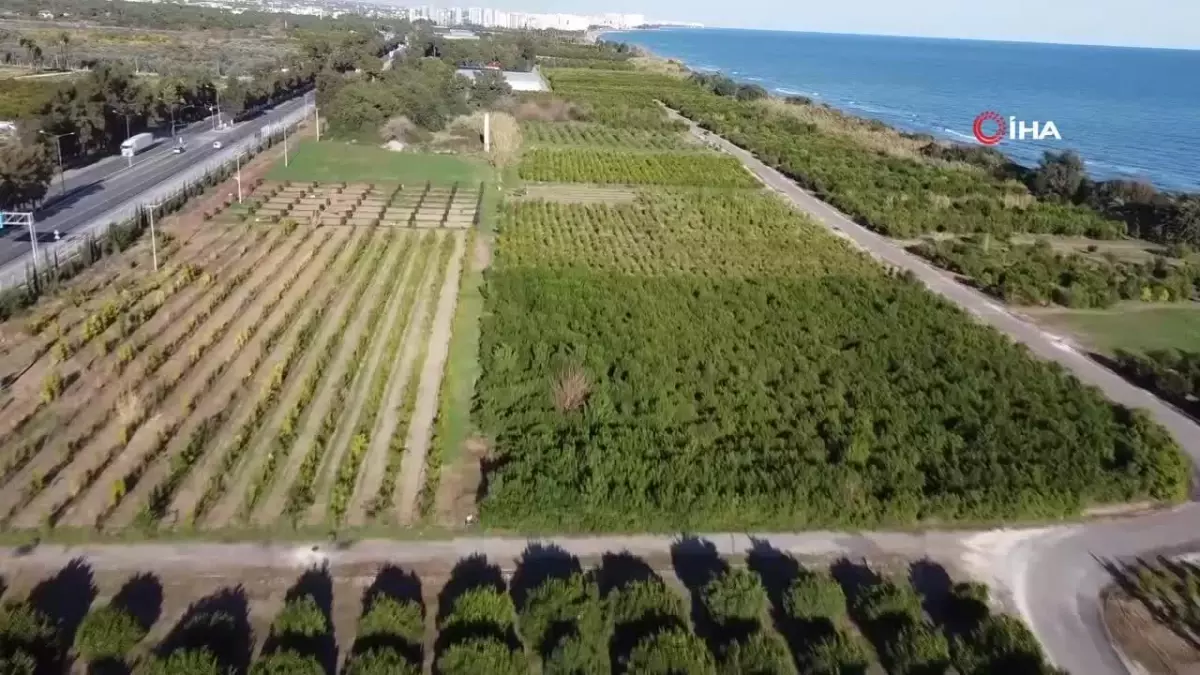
{"type": "Point", "coordinates": [982, 135]}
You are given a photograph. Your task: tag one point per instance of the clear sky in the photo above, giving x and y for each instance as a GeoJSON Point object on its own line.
{"type": "Point", "coordinates": [1141, 23]}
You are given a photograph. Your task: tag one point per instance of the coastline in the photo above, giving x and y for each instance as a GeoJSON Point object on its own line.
{"type": "Point", "coordinates": [932, 123]}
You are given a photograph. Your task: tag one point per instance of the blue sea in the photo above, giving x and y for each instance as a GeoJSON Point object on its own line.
{"type": "Point", "coordinates": [1130, 113]}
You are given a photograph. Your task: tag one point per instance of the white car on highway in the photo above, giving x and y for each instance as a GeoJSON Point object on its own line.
{"type": "Point", "coordinates": [217, 145]}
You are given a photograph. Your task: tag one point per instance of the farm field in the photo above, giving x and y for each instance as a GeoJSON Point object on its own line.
{"type": "Point", "coordinates": [329, 161]}
{"type": "Point", "coordinates": [546, 611]}
{"type": "Point", "coordinates": [1140, 328]}
{"type": "Point", "coordinates": [270, 374]}
{"type": "Point", "coordinates": [598, 135]}
{"type": "Point", "coordinates": [628, 167]}
{"type": "Point", "coordinates": [706, 358]}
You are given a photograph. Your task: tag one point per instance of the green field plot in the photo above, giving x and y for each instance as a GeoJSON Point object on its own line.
{"type": "Point", "coordinates": [1134, 329]}
{"type": "Point", "coordinates": [714, 361]}
{"type": "Point", "coordinates": [610, 166]}
{"type": "Point", "coordinates": [589, 134]}
{"type": "Point", "coordinates": [331, 161]}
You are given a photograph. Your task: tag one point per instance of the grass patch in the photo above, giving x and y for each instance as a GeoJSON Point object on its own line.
{"type": "Point", "coordinates": [332, 161]}
{"type": "Point", "coordinates": [1133, 330]}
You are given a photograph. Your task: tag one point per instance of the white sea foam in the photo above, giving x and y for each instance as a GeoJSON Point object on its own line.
{"type": "Point", "coordinates": [965, 137]}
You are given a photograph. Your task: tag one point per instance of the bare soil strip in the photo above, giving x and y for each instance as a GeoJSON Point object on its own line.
{"type": "Point", "coordinates": [270, 510]}
{"type": "Point", "coordinates": [314, 287]}
{"type": "Point", "coordinates": [88, 369]}
{"type": "Point", "coordinates": [412, 469]}
{"type": "Point", "coordinates": [39, 354]}
{"type": "Point", "coordinates": [364, 367]}
{"type": "Point", "coordinates": [186, 383]}
{"type": "Point", "coordinates": [348, 453]}
{"type": "Point", "coordinates": [193, 438]}
{"type": "Point", "coordinates": [84, 432]}
{"type": "Point", "coordinates": [267, 450]}
{"type": "Point", "coordinates": [371, 475]}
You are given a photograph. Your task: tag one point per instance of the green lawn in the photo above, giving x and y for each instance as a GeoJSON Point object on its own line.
{"type": "Point", "coordinates": [331, 161]}
{"type": "Point", "coordinates": [1137, 330]}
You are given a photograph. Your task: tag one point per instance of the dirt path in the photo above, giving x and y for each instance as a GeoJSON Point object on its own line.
{"type": "Point", "coordinates": [224, 399]}
{"type": "Point", "coordinates": [356, 398]}
{"type": "Point", "coordinates": [412, 469]}
{"type": "Point", "coordinates": [262, 449]}
{"type": "Point", "coordinates": [362, 383]}
{"type": "Point", "coordinates": [37, 356]}
{"type": "Point", "coordinates": [314, 288]}
{"type": "Point", "coordinates": [87, 369]}
{"type": "Point", "coordinates": [77, 442]}
{"type": "Point", "coordinates": [270, 510]}
{"type": "Point", "coordinates": [371, 475]}
{"type": "Point", "coordinates": [116, 460]}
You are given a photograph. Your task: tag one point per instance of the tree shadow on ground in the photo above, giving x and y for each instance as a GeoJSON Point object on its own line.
{"type": "Point", "coordinates": [1165, 588]}
{"type": "Point", "coordinates": [538, 564]}
{"type": "Point", "coordinates": [315, 583]}
{"type": "Point", "coordinates": [404, 587]}
{"type": "Point", "coordinates": [141, 596]}
{"type": "Point", "coordinates": [65, 599]}
{"type": "Point", "coordinates": [469, 574]}
{"type": "Point", "coordinates": [935, 586]}
{"type": "Point", "coordinates": [697, 562]}
{"type": "Point", "coordinates": [618, 571]}
{"type": "Point", "coordinates": [220, 623]}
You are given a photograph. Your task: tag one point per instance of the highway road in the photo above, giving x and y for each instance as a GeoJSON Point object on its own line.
{"type": "Point", "coordinates": [1055, 577]}
{"type": "Point", "coordinates": [111, 190]}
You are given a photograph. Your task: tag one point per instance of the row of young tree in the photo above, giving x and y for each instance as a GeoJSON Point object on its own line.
{"type": "Point", "coordinates": [1036, 274]}
{"type": "Point", "coordinates": [176, 16]}
{"type": "Point", "coordinates": [1059, 178]}
{"type": "Point", "coordinates": [771, 617]}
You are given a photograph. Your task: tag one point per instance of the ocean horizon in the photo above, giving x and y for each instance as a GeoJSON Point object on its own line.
{"type": "Point", "coordinates": [1130, 112]}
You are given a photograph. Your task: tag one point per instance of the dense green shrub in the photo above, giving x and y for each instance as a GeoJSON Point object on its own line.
{"type": "Point", "coordinates": [301, 617]}
{"type": "Point", "coordinates": [1172, 374]}
{"type": "Point", "coordinates": [391, 617]}
{"type": "Point", "coordinates": [887, 599]}
{"type": "Point", "coordinates": [185, 662]}
{"type": "Point", "coordinates": [107, 632]}
{"type": "Point", "coordinates": [287, 662]}
{"type": "Point", "coordinates": [916, 648]}
{"type": "Point", "coordinates": [643, 599]}
{"type": "Point", "coordinates": [670, 651]}
{"type": "Point", "coordinates": [813, 596]}
{"type": "Point", "coordinates": [837, 654]}
{"type": "Point", "coordinates": [479, 606]}
{"type": "Point", "coordinates": [762, 653]}
{"type": "Point", "coordinates": [481, 655]}
{"type": "Point", "coordinates": [381, 661]}
{"type": "Point", "coordinates": [736, 595]}
{"type": "Point", "coordinates": [563, 620]}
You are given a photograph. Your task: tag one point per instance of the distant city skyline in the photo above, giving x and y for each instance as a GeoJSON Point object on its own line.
{"type": "Point", "coordinates": [1151, 23]}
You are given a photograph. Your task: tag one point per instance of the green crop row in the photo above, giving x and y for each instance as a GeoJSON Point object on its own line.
{"type": "Point", "coordinates": [269, 397]}
{"type": "Point", "coordinates": [347, 474]}
{"type": "Point", "coordinates": [434, 457]}
{"type": "Point", "coordinates": [163, 493]}
{"type": "Point", "coordinates": [286, 435]}
{"type": "Point", "coordinates": [301, 494]}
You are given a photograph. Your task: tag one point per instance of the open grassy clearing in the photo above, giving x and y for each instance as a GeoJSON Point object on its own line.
{"type": "Point", "coordinates": [1140, 328]}
{"type": "Point", "coordinates": [256, 363]}
{"type": "Point", "coordinates": [332, 162]}
{"type": "Point", "coordinates": [546, 611]}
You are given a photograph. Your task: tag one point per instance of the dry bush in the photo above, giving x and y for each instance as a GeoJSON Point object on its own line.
{"type": "Point", "coordinates": [399, 128]}
{"type": "Point", "coordinates": [571, 388]}
{"type": "Point", "coordinates": [129, 409]}
{"type": "Point", "coordinates": [506, 140]}
{"type": "Point", "coordinates": [547, 110]}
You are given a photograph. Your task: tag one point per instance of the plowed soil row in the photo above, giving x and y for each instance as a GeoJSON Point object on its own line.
{"type": "Point", "coordinates": [270, 448]}
{"type": "Point", "coordinates": [106, 395]}
{"type": "Point", "coordinates": [241, 353]}
{"type": "Point", "coordinates": [188, 373]}
{"type": "Point", "coordinates": [412, 469]}
{"type": "Point", "coordinates": [209, 481]}
{"type": "Point", "coordinates": [303, 458]}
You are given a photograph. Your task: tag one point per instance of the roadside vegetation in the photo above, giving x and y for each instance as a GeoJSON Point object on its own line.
{"type": "Point", "coordinates": [555, 615]}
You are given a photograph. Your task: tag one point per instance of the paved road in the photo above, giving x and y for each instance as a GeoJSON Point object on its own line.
{"type": "Point", "coordinates": [1059, 594]}
{"type": "Point", "coordinates": [110, 189]}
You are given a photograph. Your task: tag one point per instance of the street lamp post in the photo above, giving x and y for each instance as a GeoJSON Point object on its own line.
{"type": "Point", "coordinates": [154, 239]}
{"type": "Point", "coordinates": [62, 179]}
{"type": "Point", "coordinates": [238, 161]}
